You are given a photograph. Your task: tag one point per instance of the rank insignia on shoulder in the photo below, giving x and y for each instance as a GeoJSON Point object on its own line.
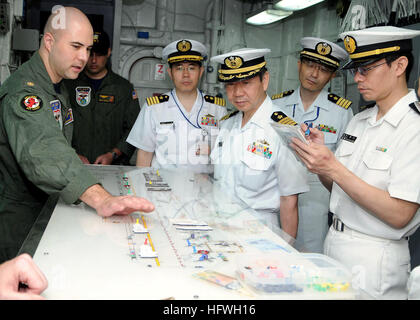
{"type": "Point", "coordinates": [31, 103]}
{"type": "Point", "coordinates": [282, 95]}
{"type": "Point", "coordinates": [216, 100]}
{"type": "Point", "coordinates": [157, 99]}
{"type": "Point", "coordinates": [229, 115]}
{"type": "Point", "coordinates": [344, 103]}
{"type": "Point", "coordinates": [280, 117]}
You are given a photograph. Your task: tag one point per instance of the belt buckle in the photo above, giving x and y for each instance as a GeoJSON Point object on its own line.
{"type": "Point", "coordinates": [338, 224]}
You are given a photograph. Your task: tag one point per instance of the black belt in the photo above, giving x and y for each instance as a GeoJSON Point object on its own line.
{"type": "Point", "coordinates": [338, 225]}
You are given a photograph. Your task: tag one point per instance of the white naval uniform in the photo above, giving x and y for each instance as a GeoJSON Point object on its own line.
{"type": "Point", "coordinates": [178, 139]}
{"type": "Point", "coordinates": [256, 178]}
{"type": "Point", "coordinates": [313, 205]}
{"type": "Point", "coordinates": [385, 154]}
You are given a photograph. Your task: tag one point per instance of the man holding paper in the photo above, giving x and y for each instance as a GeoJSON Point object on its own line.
{"type": "Point", "coordinates": [313, 105]}
{"type": "Point", "coordinates": [248, 156]}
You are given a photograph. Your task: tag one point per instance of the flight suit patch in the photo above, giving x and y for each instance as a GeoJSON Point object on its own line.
{"type": "Point", "coordinates": [105, 98]}
{"type": "Point", "coordinates": [56, 109]}
{"type": "Point", "coordinates": [31, 103]}
{"type": "Point", "coordinates": [83, 96]}
{"type": "Point", "coordinates": [69, 117]}
{"type": "Point", "coordinates": [134, 95]}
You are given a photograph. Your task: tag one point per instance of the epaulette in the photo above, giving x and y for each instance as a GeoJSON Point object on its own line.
{"type": "Point", "coordinates": [415, 106]}
{"type": "Point", "coordinates": [229, 115]}
{"type": "Point", "coordinates": [282, 95]}
{"type": "Point", "coordinates": [216, 100]}
{"type": "Point", "coordinates": [344, 103]}
{"type": "Point", "coordinates": [157, 99]}
{"type": "Point", "coordinates": [281, 117]}
{"type": "Point", "coordinates": [370, 105]}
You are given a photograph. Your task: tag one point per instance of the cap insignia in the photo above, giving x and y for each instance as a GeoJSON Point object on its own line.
{"type": "Point", "coordinates": [350, 44]}
{"type": "Point", "coordinates": [234, 62]}
{"type": "Point", "coordinates": [323, 48]}
{"type": "Point", "coordinates": [184, 46]}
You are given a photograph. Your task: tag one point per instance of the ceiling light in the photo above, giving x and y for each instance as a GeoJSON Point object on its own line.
{"type": "Point", "coordinates": [266, 16]}
{"type": "Point", "coordinates": [294, 5]}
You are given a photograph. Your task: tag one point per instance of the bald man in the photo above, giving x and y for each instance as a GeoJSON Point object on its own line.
{"type": "Point", "coordinates": [36, 121]}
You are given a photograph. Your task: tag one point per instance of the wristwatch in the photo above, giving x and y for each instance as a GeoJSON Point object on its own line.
{"type": "Point", "coordinates": [114, 155]}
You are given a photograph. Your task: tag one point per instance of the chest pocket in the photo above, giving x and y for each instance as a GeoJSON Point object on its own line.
{"type": "Point", "coordinates": [255, 170]}
{"type": "Point", "coordinates": [107, 102]}
{"type": "Point", "coordinates": [166, 138]}
{"type": "Point", "coordinates": [379, 167]}
{"type": "Point", "coordinates": [375, 160]}
{"type": "Point", "coordinates": [330, 138]}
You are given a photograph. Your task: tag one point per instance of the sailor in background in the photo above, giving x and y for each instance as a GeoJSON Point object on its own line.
{"type": "Point", "coordinates": [177, 129]}
{"type": "Point", "coordinates": [248, 156]}
{"type": "Point", "coordinates": [313, 105]}
{"type": "Point", "coordinates": [375, 172]}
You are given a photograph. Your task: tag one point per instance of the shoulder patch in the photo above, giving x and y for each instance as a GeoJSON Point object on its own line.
{"type": "Point", "coordinates": [216, 100]}
{"type": "Point", "coordinates": [157, 99]}
{"type": "Point", "coordinates": [229, 115]}
{"type": "Point", "coordinates": [31, 103]}
{"type": "Point", "coordinates": [282, 95]}
{"type": "Point", "coordinates": [415, 106]}
{"type": "Point", "coordinates": [344, 103]}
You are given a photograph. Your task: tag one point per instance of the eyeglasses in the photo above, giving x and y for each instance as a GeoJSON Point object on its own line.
{"type": "Point", "coordinates": [364, 71]}
{"type": "Point", "coordinates": [313, 65]}
{"type": "Point", "coordinates": [190, 68]}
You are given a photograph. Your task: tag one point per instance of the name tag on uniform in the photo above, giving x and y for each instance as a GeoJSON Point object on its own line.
{"type": "Point", "coordinates": [348, 137]}
{"type": "Point", "coordinates": [105, 98]}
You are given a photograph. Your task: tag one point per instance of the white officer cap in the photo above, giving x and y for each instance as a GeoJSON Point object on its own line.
{"type": "Point", "coordinates": [322, 51]}
{"type": "Point", "coordinates": [240, 64]}
{"type": "Point", "coordinates": [372, 44]}
{"type": "Point", "coordinates": [184, 50]}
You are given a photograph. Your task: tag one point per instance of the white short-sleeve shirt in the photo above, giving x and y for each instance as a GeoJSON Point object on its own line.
{"type": "Point", "coordinates": [323, 114]}
{"type": "Point", "coordinates": [331, 118]}
{"type": "Point", "coordinates": [254, 164]}
{"type": "Point", "coordinates": [385, 153]}
{"type": "Point", "coordinates": [178, 139]}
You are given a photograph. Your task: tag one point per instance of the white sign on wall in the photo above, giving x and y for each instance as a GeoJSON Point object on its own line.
{"type": "Point", "coordinates": [159, 71]}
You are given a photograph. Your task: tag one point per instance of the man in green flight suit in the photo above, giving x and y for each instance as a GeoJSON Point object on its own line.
{"type": "Point", "coordinates": [36, 159]}
{"type": "Point", "coordinates": [105, 107]}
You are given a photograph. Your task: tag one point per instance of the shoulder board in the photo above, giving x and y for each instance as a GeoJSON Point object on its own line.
{"type": "Point", "coordinates": [344, 103]}
{"type": "Point", "coordinates": [157, 99]}
{"type": "Point", "coordinates": [216, 100]}
{"type": "Point", "coordinates": [229, 115]}
{"type": "Point", "coordinates": [370, 105]}
{"type": "Point", "coordinates": [415, 106]}
{"type": "Point", "coordinates": [281, 117]}
{"type": "Point", "coordinates": [282, 95]}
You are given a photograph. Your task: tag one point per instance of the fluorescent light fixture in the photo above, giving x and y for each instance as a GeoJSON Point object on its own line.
{"type": "Point", "coordinates": [267, 16]}
{"type": "Point", "coordinates": [294, 5]}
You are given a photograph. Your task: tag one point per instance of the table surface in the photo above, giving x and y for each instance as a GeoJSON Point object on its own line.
{"type": "Point", "coordinates": [85, 256]}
